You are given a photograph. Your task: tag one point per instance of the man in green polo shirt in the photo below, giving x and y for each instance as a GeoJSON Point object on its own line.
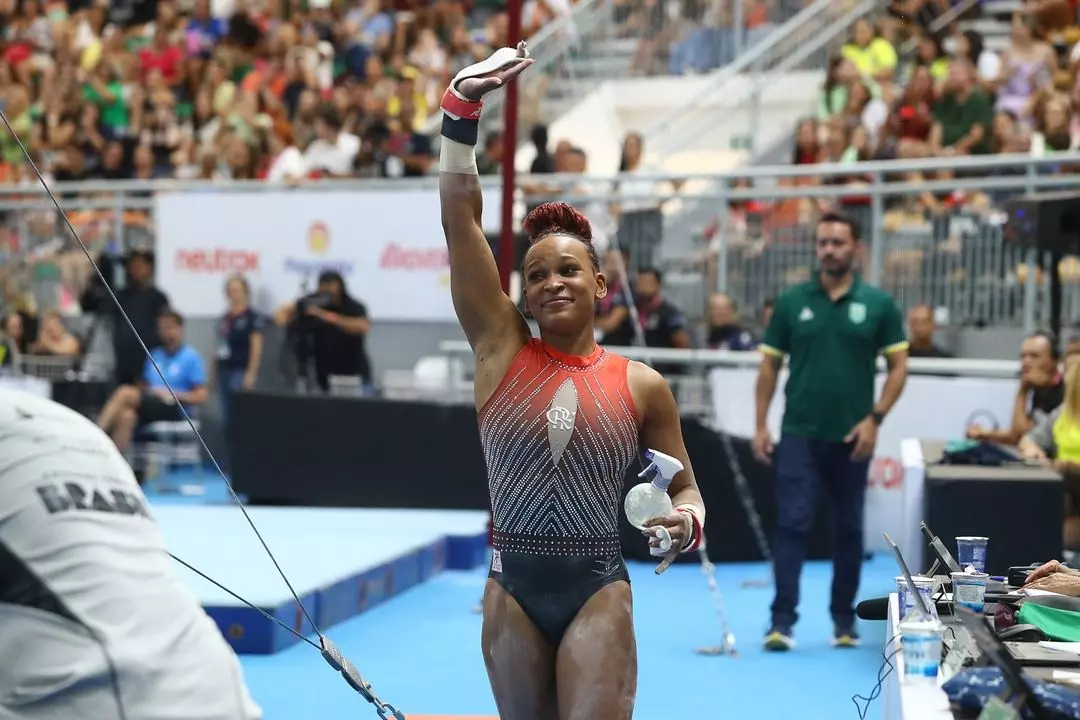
{"type": "Point", "coordinates": [832, 329]}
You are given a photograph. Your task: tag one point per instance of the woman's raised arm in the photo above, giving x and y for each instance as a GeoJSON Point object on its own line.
{"type": "Point", "coordinates": [486, 314]}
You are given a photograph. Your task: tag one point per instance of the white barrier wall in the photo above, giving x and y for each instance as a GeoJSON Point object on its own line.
{"type": "Point", "coordinates": [930, 407]}
{"type": "Point", "coordinates": [388, 246]}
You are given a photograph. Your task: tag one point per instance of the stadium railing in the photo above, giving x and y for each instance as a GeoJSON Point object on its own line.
{"type": "Point", "coordinates": [601, 40]}
{"type": "Point", "coordinates": [953, 258]}
{"type": "Point", "coordinates": [691, 387]}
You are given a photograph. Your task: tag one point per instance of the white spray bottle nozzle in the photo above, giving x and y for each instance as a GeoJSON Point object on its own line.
{"type": "Point", "coordinates": [662, 467]}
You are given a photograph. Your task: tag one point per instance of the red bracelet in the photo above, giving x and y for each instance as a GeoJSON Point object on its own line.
{"type": "Point", "coordinates": [461, 108]}
{"type": "Point", "coordinates": [696, 530]}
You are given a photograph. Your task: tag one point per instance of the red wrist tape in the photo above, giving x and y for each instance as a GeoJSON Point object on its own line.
{"type": "Point", "coordinates": [461, 108]}
{"type": "Point", "coordinates": [696, 532]}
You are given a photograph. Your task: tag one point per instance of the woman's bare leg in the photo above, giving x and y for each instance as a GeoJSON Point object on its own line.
{"type": "Point", "coordinates": [520, 662]}
{"type": "Point", "coordinates": [596, 666]}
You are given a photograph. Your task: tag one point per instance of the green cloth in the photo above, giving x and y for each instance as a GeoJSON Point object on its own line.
{"type": "Point", "coordinates": [833, 348]}
{"type": "Point", "coordinates": [1060, 625]}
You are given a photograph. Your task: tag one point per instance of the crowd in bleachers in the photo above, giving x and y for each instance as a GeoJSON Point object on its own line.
{"type": "Point", "coordinates": [277, 89]}
{"type": "Point", "coordinates": [952, 95]}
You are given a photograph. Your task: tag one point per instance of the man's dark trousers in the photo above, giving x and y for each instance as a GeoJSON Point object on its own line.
{"type": "Point", "coordinates": [803, 465]}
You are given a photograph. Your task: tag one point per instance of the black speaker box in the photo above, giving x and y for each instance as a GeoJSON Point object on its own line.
{"type": "Point", "coordinates": [1049, 222]}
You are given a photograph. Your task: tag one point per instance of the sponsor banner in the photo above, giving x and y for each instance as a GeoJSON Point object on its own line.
{"type": "Point", "coordinates": [388, 246]}
{"type": "Point", "coordinates": [930, 407]}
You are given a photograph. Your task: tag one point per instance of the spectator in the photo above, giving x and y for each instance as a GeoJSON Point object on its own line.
{"type": "Point", "coordinates": [240, 342]}
{"type": "Point", "coordinates": [54, 339]}
{"type": "Point", "coordinates": [14, 330]}
{"type": "Point", "coordinates": [489, 160]}
{"type": "Point", "coordinates": [921, 328]}
{"type": "Point", "coordinates": [912, 118]}
{"type": "Point", "coordinates": [543, 163]}
{"type": "Point", "coordinates": [871, 54]}
{"type": "Point", "coordinates": [970, 45]}
{"type": "Point", "coordinates": [724, 331]}
{"type": "Point", "coordinates": [930, 54]}
{"type": "Point", "coordinates": [1055, 440]}
{"type": "Point", "coordinates": [865, 111]}
{"type": "Point", "coordinates": [1052, 123]}
{"type": "Point", "coordinates": [613, 320]}
{"type": "Point", "coordinates": [834, 93]}
{"type": "Point", "coordinates": [333, 151]}
{"type": "Point", "coordinates": [149, 401]}
{"type": "Point", "coordinates": [807, 148]}
{"type": "Point", "coordinates": [664, 323]}
{"type": "Point", "coordinates": [1027, 66]}
{"type": "Point", "coordinates": [963, 116]}
{"type": "Point", "coordinates": [142, 303]}
{"type": "Point", "coordinates": [1041, 390]}
{"type": "Point", "coordinates": [286, 162]}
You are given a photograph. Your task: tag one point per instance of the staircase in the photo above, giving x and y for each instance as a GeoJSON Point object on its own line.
{"type": "Point", "coordinates": [994, 25]}
{"type": "Point", "coordinates": [750, 106]}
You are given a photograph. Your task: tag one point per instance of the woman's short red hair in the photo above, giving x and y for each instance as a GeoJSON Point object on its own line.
{"type": "Point", "coordinates": [559, 218]}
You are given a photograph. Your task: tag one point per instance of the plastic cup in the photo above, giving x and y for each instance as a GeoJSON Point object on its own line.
{"type": "Point", "coordinates": [921, 645]}
{"type": "Point", "coordinates": [969, 590]}
{"type": "Point", "coordinates": [907, 603]}
{"type": "Point", "coordinates": [972, 551]}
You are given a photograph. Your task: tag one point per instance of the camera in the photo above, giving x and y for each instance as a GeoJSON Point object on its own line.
{"type": "Point", "coordinates": [315, 299]}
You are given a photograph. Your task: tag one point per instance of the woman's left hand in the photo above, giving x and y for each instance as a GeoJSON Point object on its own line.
{"type": "Point", "coordinates": [679, 525]}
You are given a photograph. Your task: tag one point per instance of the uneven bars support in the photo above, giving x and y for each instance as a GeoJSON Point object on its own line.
{"type": "Point", "coordinates": [509, 139]}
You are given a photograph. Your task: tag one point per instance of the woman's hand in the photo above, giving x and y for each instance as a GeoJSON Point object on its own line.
{"type": "Point", "coordinates": [1060, 583]}
{"type": "Point", "coordinates": [474, 88]}
{"type": "Point", "coordinates": [679, 527]}
{"type": "Point", "coordinates": [1051, 568]}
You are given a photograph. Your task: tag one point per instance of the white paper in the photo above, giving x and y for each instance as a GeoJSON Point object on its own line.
{"type": "Point", "coordinates": [1066, 676]}
{"type": "Point", "coordinates": [1069, 647]}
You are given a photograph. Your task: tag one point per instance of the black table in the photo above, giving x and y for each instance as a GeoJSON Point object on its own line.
{"type": "Point", "coordinates": [1021, 509]}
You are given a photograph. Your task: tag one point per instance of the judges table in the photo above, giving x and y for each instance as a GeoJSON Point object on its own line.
{"type": "Point", "coordinates": [900, 700]}
{"type": "Point", "coordinates": [1020, 508]}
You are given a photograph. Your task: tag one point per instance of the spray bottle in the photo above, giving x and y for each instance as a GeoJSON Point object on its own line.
{"type": "Point", "coordinates": [650, 499]}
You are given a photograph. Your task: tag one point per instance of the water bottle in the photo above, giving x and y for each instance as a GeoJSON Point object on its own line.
{"type": "Point", "coordinates": [650, 499]}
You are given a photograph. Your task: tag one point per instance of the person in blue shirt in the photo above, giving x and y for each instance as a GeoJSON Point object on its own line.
{"type": "Point", "coordinates": [132, 406]}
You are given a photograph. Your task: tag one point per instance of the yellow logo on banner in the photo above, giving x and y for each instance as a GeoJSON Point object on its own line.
{"type": "Point", "coordinates": [319, 238]}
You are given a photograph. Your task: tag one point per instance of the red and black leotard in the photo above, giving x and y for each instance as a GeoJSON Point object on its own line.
{"type": "Point", "coordinates": [558, 435]}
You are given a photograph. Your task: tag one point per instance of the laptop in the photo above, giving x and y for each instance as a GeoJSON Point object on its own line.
{"type": "Point", "coordinates": [920, 603]}
{"type": "Point", "coordinates": [1032, 654]}
{"type": "Point", "coordinates": [1020, 692]}
{"type": "Point", "coordinates": [993, 587]}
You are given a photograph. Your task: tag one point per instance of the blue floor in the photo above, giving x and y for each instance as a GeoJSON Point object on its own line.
{"type": "Point", "coordinates": [420, 650]}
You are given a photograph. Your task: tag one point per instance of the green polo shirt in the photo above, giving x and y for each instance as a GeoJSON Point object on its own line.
{"type": "Point", "coordinates": [957, 119]}
{"type": "Point", "coordinates": [833, 348]}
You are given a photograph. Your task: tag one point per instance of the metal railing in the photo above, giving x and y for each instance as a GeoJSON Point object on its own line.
{"type": "Point", "coordinates": [923, 241]}
{"type": "Point", "coordinates": [692, 387]}
{"type": "Point", "coordinates": [601, 40]}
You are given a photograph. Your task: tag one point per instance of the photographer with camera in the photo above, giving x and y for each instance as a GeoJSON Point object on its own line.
{"type": "Point", "coordinates": [329, 326]}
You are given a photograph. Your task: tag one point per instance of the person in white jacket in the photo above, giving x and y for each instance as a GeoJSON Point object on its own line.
{"type": "Point", "coordinates": [94, 621]}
